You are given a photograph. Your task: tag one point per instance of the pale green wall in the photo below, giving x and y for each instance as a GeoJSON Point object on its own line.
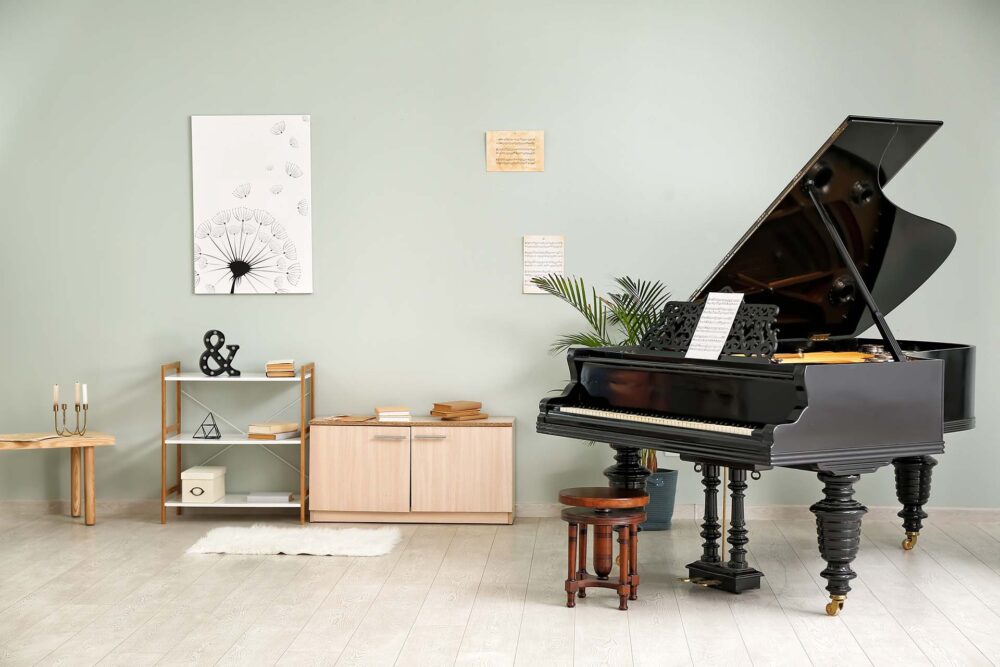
{"type": "Point", "coordinates": [669, 127]}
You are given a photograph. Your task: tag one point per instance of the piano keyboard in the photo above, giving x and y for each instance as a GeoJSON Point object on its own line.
{"type": "Point", "coordinates": [717, 427]}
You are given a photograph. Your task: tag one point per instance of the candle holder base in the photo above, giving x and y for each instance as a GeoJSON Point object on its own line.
{"type": "Point", "coordinates": [64, 431]}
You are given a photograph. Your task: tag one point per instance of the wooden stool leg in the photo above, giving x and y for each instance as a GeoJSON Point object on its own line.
{"type": "Point", "coordinates": [90, 512]}
{"type": "Point", "coordinates": [633, 552]}
{"type": "Point", "coordinates": [571, 576]}
{"type": "Point", "coordinates": [623, 550]}
{"type": "Point", "coordinates": [74, 481]}
{"type": "Point", "coordinates": [581, 570]}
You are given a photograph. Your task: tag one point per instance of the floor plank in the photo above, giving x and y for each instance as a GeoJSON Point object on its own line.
{"type": "Point", "coordinates": [491, 635]}
{"type": "Point", "coordinates": [547, 632]}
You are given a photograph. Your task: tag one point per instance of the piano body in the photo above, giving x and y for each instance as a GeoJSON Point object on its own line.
{"type": "Point", "coordinates": [795, 386]}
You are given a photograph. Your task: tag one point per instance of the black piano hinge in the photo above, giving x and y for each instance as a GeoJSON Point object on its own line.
{"type": "Point", "coordinates": [753, 333]}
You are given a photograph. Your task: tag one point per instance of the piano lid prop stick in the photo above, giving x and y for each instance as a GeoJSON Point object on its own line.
{"type": "Point", "coordinates": [880, 324]}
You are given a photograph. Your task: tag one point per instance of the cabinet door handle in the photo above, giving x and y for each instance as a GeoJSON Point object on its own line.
{"type": "Point", "coordinates": [390, 437]}
{"type": "Point", "coordinates": [429, 437]}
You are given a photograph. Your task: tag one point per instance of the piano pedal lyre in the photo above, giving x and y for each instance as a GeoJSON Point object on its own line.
{"type": "Point", "coordinates": [835, 604]}
{"type": "Point", "coordinates": [700, 581]}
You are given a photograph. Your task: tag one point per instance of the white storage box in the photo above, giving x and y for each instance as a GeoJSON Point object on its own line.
{"type": "Point", "coordinates": [203, 484]}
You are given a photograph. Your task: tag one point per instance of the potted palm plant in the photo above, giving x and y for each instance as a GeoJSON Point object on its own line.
{"type": "Point", "coordinates": [620, 318]}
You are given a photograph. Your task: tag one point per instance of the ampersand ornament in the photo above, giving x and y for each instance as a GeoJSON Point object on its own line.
{"type": "Point", "coordinates": [225, 364]}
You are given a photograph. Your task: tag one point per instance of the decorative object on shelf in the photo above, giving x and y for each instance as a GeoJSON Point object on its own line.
{"type": "Point", "coordinates": [203, 484]}
{"type": "Point", "coordinates": [252, 192]}
{"type": "Point", "coordinates": [392, 413]}
{"type": "Point", "coordinates": [270, 497]}
{"type": "Point", "coordinates": [282, 368]}
{"type": "Point", "coordinates": [459, 411]}
{"type": "Point", "coordinates": [208, 430]}
{"type": "Point", "coordinates": [263, 540]}
{"type": "Point", "coordinates": [273, 431]}
{"type": "Point", "coordinates": [225, 364]}
{"type": "Point", "coordinates": [81, 401]}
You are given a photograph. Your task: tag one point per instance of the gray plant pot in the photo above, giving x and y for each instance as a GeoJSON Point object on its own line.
{"type": "Point", "coordinates": [662, 489]}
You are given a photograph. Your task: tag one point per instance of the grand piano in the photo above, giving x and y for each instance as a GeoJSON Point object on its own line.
{"type": "Point", "coordinates": [795, 386]}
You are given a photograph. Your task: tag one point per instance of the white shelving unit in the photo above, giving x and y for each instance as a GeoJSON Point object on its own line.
{"type": "Point", "coordinates": [171, 435]}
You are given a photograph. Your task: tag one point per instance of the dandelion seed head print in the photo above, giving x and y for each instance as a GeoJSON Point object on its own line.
{"type": "Point", "coordinates": [252, 223]}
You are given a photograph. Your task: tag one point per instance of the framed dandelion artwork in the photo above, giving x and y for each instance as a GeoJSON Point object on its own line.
{"type": "Point", "coordinates": [252, 187]}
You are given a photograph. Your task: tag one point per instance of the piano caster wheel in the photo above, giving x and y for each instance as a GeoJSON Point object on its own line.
{"type": "Point", "coordinates": [910, 541]}
{"type": "Point", "coordinates": [835, 604]}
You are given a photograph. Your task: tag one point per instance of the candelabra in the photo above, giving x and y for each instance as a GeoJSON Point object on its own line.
{"type": "Point", "coordinates": [65, 431]}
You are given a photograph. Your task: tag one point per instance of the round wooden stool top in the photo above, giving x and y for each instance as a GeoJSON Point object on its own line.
{"type": "Point", "coordinates": [604, 497]}
{"type": "Point", "coordinates": [613, 518]}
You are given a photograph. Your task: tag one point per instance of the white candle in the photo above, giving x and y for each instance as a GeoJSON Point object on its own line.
{"type": "Point", "coordinates": [55, 395]}
{"type": "Point", "coordinates": [76, 393]}
{"type": "Point", "coordinates": [85, 401]}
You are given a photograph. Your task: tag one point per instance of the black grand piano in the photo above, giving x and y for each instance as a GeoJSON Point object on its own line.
{"type": "Point", "coordinates": [795, 386]}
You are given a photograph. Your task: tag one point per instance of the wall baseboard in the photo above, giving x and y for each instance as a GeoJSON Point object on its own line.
{"type": "Point", "coordinates": [687, 511]}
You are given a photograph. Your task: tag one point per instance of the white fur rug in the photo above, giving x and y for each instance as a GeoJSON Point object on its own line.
{"type": "Point", "coordinates": [262, 540]}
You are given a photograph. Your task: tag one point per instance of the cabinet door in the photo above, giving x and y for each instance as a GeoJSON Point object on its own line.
{"type": "Point", "coordinates": [359, 469]}
{"type": "Point", "coordinates": [462, 469]}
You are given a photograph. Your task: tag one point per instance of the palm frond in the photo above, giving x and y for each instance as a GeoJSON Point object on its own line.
{"type": "Point", "coordinates": [573, 291]}
{"type": "Point", "coordinates": [637, 307]}
{"type": "Point", "coordinates": [583, 339]}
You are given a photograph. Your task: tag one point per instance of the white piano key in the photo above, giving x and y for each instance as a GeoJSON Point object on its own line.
{"type": "Point", "coordinates": [664, 421]}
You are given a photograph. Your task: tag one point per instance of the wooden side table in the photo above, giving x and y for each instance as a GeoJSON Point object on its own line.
{"type": "Point", "coordinates": [80, 446]}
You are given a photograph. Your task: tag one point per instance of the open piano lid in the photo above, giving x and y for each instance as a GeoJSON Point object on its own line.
{"type": "Point", "coordinates": [788, 259]}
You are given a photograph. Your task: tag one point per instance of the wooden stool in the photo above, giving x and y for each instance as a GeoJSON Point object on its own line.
{"type": "Point", "coordinates": [609, 511]}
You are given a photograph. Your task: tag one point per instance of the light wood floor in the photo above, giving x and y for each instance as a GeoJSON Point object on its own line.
{"type": "Point", "coordinates": [124, 593]}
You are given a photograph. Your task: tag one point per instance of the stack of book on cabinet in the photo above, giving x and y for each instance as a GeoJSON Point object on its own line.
{"type": "Point", "coordinates": [459, 411]}
{"type": "Point", "coordinates": [281, 368]}
{"type": "Point", "coordinates": [393, 413]}
{"type": "Point", "coordinates": [273, 430]}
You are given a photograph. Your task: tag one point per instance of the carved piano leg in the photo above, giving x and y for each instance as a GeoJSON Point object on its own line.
{"type": "Point", "coordinates": [913, 489]}
{"type": "Point", "coordinates": [628, 471]}
{"type": "Point", "coordinates": [711, 530]}
{"type": "Point", "coordinates": [738, 529]}
{"type": "Point", "coordinates": [838, 527]}
{"type": "Point", "coordinates": [734, 576]}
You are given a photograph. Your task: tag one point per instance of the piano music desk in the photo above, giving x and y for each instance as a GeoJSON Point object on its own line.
{"type": "Point", "coordinates": [80, 446]}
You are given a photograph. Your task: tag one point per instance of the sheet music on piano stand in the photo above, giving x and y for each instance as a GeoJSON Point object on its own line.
{"type": "Point", "coordinates": [714, 325]}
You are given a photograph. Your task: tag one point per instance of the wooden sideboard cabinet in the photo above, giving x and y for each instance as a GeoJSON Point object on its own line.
{"type": "Point", "coordinates": [422, 471]}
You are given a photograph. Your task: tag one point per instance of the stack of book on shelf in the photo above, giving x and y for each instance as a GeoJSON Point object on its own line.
{"type": "Point", "coordinates": [282, 368]}
{"type": "Point", "coordinates": [459, 411]}
{"type": "Point", "coordinates": [273, 430]}
{"type": "Point", "coordinates": [269, 497]}
{"type": "Point", "coordinates": [393, 413]}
